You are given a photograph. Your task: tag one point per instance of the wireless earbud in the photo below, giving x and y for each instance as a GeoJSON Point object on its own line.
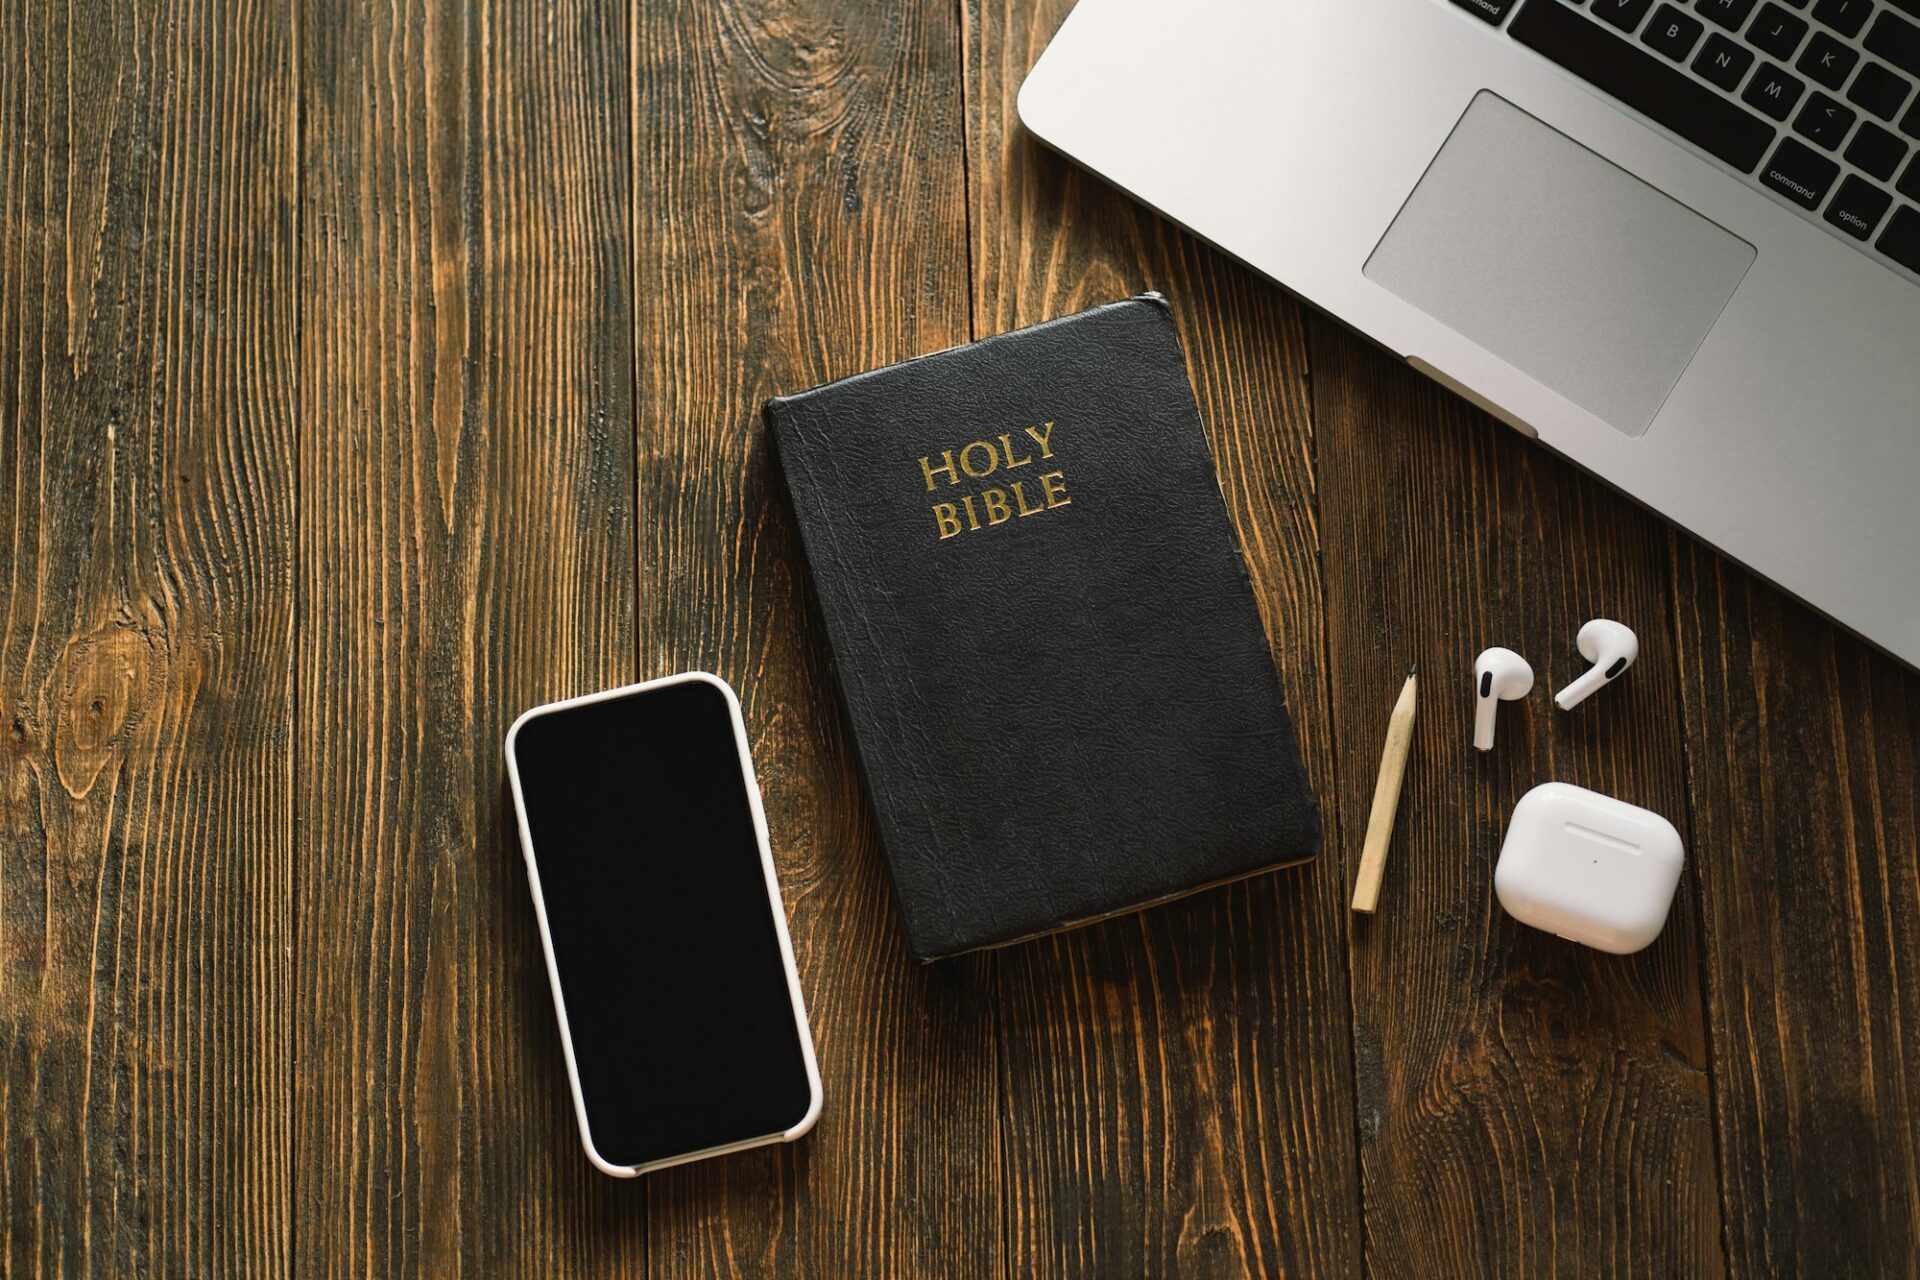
{"type": "Point", "coordinates": [1499, 675]}
{"type": "Point", "coordinates": [1611, 647]}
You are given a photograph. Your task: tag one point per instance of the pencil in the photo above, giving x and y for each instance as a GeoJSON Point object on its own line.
{"type": "Point", "coordinates": [1386, 798]}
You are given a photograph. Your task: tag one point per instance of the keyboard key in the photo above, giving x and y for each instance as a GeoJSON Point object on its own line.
{"type": "Point", "coordinates": [1643, 82]}
{"type": "Point", "coordinates": [1777, 32]}
{"type": "Point", "coordinates": [1772, 91]}
{"type": "Point", "coordinates": [1910, 123]}
{"type": "Point", "coordinates": [1875, 151]}
{"type": "Point", "coordinates": [1901, 240]}
{"type": "Point", "coordinates": [1844, 16]}
{"type": "Point", "coordinates": [1896, 40]}
{"type": "Point", "coordinates": [1731, 14]}
{"type": "Point", "coordinates": [1858, 207]}
{"type": "Point", "coordinates": [1672, 33]}
{"type": "Point", "coordinates": [1723, 62]}
{"type": "Point", "coordinates": [1492, 10]}
{"type": "Point", "coordinates": [1878, 90]}
{"type": "Point", "coordinates": [1800, 175]}
{"type": "Point", "coordinates": [1911, 6]}
{"type": "Point", "coordinates": [1827, 60]}
{"type": "Point", "coordinates": [1624, 14]}
{"type": "Point", "coordinates": [1909, 184]}
{"type": "Point", "coordinates": [1825, 121]}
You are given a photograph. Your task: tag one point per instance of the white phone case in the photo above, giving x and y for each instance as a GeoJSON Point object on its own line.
{"type": "Point", "coordinates": [773, 900]}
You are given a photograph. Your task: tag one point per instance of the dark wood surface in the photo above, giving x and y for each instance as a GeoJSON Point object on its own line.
{"type": "Point", "coordinates": [373, 372]}
{"type": "Point", "coordinates": [149, 391]}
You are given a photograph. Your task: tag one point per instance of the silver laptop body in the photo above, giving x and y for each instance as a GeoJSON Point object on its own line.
{"type": "Point", "coordinates": [1741, 364]}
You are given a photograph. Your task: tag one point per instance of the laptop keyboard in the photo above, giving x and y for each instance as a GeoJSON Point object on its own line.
{"type": "Point", "coordinates": [1812, 100]}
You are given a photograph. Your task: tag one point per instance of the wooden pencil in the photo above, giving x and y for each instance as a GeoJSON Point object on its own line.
{"type": "Point", "coordinates": [1386, 798]}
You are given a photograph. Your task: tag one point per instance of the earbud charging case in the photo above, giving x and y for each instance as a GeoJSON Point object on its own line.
{"type": "Point", "coordinates": [1588, 867]}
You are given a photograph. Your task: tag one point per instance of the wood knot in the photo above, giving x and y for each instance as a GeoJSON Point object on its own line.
{"type": "Point", "coordinates": [105, 683]}
{"type": "Point", "coordinates": [799, 49]}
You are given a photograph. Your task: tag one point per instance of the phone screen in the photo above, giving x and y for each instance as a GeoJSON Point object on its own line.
{"type": "Point", "coordinates": [670, 968]}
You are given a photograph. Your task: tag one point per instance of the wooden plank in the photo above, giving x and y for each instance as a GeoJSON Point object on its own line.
{"type": "Point", "coordinates": [147, 197]}
{"type": "Point", "coordinates": [802, 217]}
{"type": "Point", "coordinates": [465, 551]}
{"type": "Point", "coordinates": [1804, 751]}
{"type": "Point", "coordinates": [1522, 1098]}
{"type": "Point", "coordinates": [1176, 1084]}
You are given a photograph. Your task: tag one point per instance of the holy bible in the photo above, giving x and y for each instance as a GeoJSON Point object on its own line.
{"type": "Point", "coordinates": [1046, 640]}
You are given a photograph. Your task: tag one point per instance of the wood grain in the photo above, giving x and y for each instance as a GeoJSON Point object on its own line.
{"type": "Point", "coordinates": [1522, 1099]}
{"type": "Point", "coordinates": [466, 550]}
{"type": "Point", "coordinates": [372, 372]}
{"type": "Point", "coordinates": [1175, 1085]}
{"type": "Point", "coordinates": [147, 206]}
{"type": "Point", "coordinates": [803, 218]}
{"type": "Point", "coordinates": [1803, 748]}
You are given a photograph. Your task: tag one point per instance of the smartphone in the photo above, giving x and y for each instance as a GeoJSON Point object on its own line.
{"type": "Point", "coordinates": [666, 941]}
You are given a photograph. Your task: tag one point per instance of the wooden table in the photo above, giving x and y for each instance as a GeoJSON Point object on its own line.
{"type": "Point", "coordinates": [373, 372]}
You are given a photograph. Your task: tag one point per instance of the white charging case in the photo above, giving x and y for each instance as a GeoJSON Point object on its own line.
{"type": "Point", "coordinates": [1588, 867]}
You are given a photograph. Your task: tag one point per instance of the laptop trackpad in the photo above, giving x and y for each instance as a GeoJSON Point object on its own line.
{"type": "Point", "coordinates": [1567, 267]}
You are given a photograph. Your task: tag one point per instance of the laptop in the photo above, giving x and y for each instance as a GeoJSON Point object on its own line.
{"type": "Point", "coordinates": [1677, 243]}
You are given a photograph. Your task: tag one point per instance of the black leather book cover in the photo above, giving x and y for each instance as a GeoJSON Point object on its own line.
{"type": "Point", "coordinates": [1046, 641]}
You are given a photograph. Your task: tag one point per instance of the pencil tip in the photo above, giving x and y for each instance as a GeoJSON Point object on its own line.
{"type": "Point", "coordinates": [1413, 671]}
